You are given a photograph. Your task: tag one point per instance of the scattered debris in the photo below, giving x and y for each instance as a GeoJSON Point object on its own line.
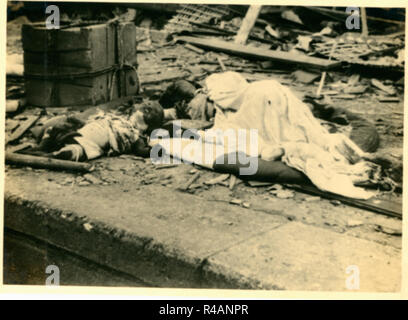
{"type": "Point", "coordinates": [304, 43]}
{"type": "Point", "coordinates": [246, 205]}
{"type": "Point", "coordinates": [87, 226]}
{"type": "Point", "coordinates": [20, 147]}
{"type": "Point", "coordinates": [92, 179]}
{"type": "Point", "coordinates": [22, 128]}
{"type": "Point", "coordinates": [387, 89]}
{"type": "Point", "coordinates": [254, 183]}
{"type": "Point", "coordinates": [223, 68]}
{"type": "Point", "coordinates": [344, 96]}
{"type": "Point", "coordinates": [149, 179]}
{"type": "Point", "coordinates": [335, 202]}
{"type": "Point", "coordinates": [236, 201]}
{"type": "Point", "coordinates": [323, 78]}
{"type": "Point", "coordinates": [278, 191]}
{"type": "Point", "coordinates": [193, 179]}
{"type": "Point", "coordinates": [68, 181]}
{"type": "Point", "coordinates": [189, 13]}
{"type": "Point", "coordinates": [354, 223]}
{"type": "Point", "coordinates": [274, 33]}
{"type": "Point", "coordinates": [274, 188]}
{"type": "Point", "coordinates": [232, 182]}
{"type": "Point", "coordinates": [358, 89]}
{"type": "Point", "coordinates": [291, 16]}
{"type": "Point", "coordinates": [193, 48]}
{"type": "Point", "coordinates": [165, 166]}
{"type": "Point", "coordinates": [131, 157]}
{"type": "Point", "coordinates": [388, 99]}
{"type": "Point", "coordinates": [355, 49]}
{"type": "Point", "coordinates": [284, 194]}
{"type": "Point", "coordinates": [388, 231]}
{"type": "Point", "coordinates": [305, 77]}
{"type": "Point", "coordinates": [312, 199]}
{"type": "Point", "coordinates": [217, 180]}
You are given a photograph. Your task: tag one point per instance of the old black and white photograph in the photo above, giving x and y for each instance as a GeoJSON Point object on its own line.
{"type": "Point", "coordinates": [204, 146]}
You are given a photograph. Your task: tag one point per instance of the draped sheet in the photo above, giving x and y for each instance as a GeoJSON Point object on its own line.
{"type": "Point", "coordinates": [285, 127]}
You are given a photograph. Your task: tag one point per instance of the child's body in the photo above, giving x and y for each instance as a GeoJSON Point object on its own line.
{"type": "Point", "coordinates": [110, 134]}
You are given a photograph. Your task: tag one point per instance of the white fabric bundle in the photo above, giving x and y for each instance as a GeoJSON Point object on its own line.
{"type": "Point", "coordinates": [283, 121]}
{"type": "Point", "coordinates": [285, 125]}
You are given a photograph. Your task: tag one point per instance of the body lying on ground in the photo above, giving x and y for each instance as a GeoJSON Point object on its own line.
{"type": "Point", "coordinates": [103, 134]}
{"type": "Point", "coordinates": [287, 131]}
{"type": "Point", "coordinates": [292, 146]}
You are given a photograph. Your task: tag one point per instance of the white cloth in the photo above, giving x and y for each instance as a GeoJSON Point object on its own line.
{"type": "Point", "coordinates": [285, 125]}
{"type": "Point", "coordinates": [227, 94]}
{"type": "Point", "coordinates": [283, 121]}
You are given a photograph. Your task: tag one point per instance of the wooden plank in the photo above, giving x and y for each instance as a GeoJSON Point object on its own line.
{"type": "Point", "coordinates": [232, 182]}
{"type": "Point", "coordinates": [364, 22]}
{"type": "Point", "coordinates": [323, 78]}
{"type": "Point", "coordinates": [223, 68]}
{"type": "Point", "coordinates": [258, 53]}
{"type": "Point", "coordinates": [19, 147]}
{"type": "Point", "coordinates": [24, 126]}
{"type": "Point", "coordinates": [195, 49]}
{"type": "Point", "coordinates": [190, 181]}
{"type": "Point", "coordinates": [247, 24]}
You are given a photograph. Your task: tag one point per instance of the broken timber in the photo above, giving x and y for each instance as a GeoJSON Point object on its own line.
{"type": "Point", "coordinates": [262, 54]}
{"type": "Point", "coordinates": [24, 126]}
{"type": "Point", "coordinates": [247, 24]}
{"type": "Point", "coordinates": [190, 182]}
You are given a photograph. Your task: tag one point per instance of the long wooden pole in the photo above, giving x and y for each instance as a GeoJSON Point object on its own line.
{"type": "Point", "coordinates": [46, 163]}
{"type": "Point", "coordinates": [323, 78]}
{"type": "Point", "coordinates": [247, 24]}
{"type": "Point", "coordinates": [364, 22]}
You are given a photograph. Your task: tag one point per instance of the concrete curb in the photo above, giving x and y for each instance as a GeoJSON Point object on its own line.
{"type": "Point", "coordinates": [168, 238]}
{"type": "Point", "coordinates": [104, 245]}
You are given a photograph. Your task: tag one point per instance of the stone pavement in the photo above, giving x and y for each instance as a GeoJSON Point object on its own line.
{"type": "Point", "coordinates": [168, 238]}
